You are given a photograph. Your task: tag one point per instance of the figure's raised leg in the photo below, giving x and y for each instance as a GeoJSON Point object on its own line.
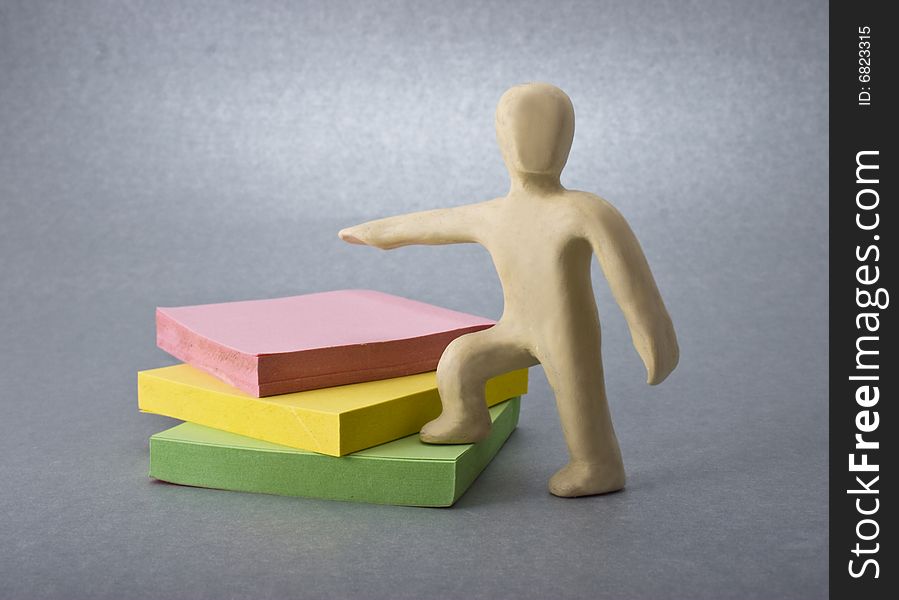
{"type": "Point", "coordinates": [595, 466]}
{"type": "Point", "coordinates": [462, 374]}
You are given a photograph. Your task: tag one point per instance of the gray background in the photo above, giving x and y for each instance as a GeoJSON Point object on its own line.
{"type": "Point", "coordinates": [166, 153]}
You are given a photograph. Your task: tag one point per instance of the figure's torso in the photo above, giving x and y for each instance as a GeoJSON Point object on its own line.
{"type": "Point", "coordinates": [543, 259]}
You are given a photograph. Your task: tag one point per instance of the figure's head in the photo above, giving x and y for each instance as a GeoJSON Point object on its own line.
{"type": "Point", "coordinates": [534, 128]}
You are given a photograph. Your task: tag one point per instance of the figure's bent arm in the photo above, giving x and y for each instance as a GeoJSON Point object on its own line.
{"type": "Point", "coordinates": [441, 226]}
{"type": "Point", "coordinates": [631, 281]}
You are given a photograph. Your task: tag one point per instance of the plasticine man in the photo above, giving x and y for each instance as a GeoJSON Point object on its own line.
{"type": "Point", "coordinates": [542, 238]}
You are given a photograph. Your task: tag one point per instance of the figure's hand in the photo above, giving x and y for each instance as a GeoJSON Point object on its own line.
{"type": "Point", "coordinates": [365, 234]}
{"type": "Point", "coordinates": [658, 348]}
{"type": "Point", "coordinates": [352, 235]}
{"type": "Point", "coordinates": [439, 226]}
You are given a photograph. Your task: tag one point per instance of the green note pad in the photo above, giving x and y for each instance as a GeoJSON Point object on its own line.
{"type": "Point", "coordinates": [405, 471]}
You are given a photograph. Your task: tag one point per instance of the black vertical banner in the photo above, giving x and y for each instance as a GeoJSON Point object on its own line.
{"type": "Point", "coordinates": [864, 373]}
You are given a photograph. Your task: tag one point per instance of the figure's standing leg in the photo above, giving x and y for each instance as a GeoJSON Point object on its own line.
{"type": "Point", "coordinates": [576, 376]}
{"type": "Point", "coordinates": [466, 365]}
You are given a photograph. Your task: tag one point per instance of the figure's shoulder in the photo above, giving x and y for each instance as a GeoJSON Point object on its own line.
{"type": "Point", "coordinates": [486, 206]}
{"type": "Point", "coordinates": [592, 206]}
{"type": "Point", "coordinates": [474, 208]}
{"type": "Point", "coordinates": [492, 203]}
{"type": "Point", "coordinates": [479, 216]}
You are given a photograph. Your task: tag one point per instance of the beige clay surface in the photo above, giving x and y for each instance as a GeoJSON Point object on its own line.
{"type": "Point", "coordinates": [542, 238]}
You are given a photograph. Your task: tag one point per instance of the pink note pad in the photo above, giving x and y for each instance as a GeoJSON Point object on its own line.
{"type": "Point", "coordinates": [282, 345]}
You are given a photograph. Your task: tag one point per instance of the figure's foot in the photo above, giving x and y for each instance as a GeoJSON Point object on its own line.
{"type": "Point", "coordinates": [584, 479]}
{"type": "Point", "coordinates": [456, 430]}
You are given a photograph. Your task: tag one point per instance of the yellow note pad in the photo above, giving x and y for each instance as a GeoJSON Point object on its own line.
{"type": "Point", "coordinates": [336, 421]}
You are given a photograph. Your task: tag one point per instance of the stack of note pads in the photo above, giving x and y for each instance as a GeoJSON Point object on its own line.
{"type": "Point", "coordinates": [320, 395]}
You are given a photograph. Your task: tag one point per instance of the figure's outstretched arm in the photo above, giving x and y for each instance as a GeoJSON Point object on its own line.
{"type": "Point", "coordinates": [441, 226]}
{"type": "Point", "coordinates": [625, 267]}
